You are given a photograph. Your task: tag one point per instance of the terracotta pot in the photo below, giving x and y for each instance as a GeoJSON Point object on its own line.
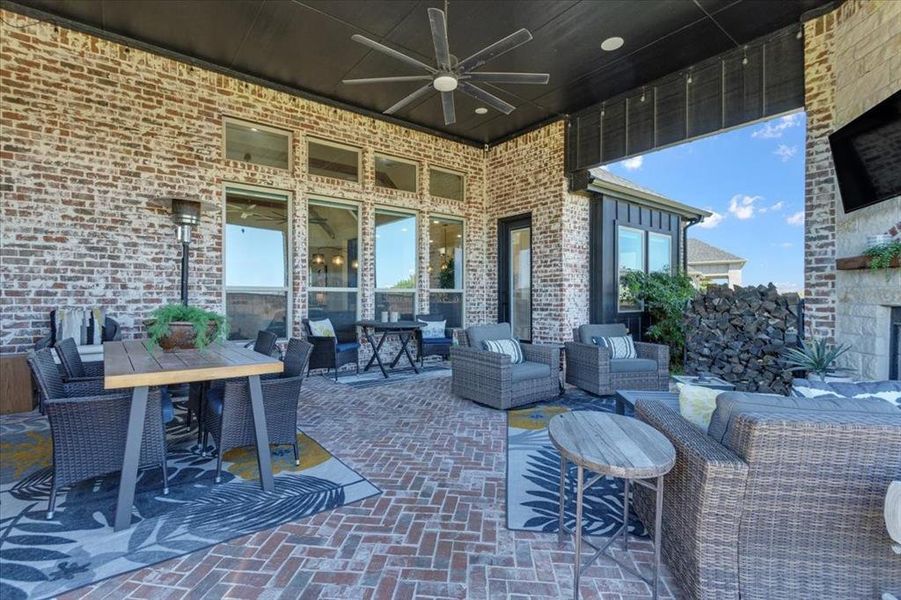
{"type": "Point", "coordinates": [182, 335]}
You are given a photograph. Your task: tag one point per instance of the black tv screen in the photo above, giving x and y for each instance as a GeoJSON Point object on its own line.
{"type": "Point", "coordinates": [867, 155]}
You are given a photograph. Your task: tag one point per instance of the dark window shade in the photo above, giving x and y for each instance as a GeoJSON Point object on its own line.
{"type": "Point", "coordinates": [641, 122]}
{"type": "Point", "coordinates": [614, 130]}
{"type": "Point", "coordinates": [784, 83]}
{"type": "Point", "coordinates": [671, 111]}
{"type": "Point", "coordinates": [589, 143]}
{"type": "Point", "coordinates": [705, 100]}
{"type": "Point", "coordinates": [743, 88]}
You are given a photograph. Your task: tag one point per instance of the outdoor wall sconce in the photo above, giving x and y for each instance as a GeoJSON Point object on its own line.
{"type": "Point", "coordinates": [186, 216]}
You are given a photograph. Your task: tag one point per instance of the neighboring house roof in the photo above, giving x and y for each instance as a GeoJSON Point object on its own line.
{"type": "Point", "coordinates": [603, 180]}
{"type": "Point", "coordinates": [701, 252]}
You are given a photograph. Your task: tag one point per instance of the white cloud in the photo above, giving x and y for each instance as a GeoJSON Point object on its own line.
{"type": "Point", "coordinates": [634, 163]}
{"type": "Point", "coordinates": [778, 206]}
{"type": "Point", "coordinates": [786, 153]}
{"type": "Point", "coordinates": [712, 221]}
{"type": "Point", "coordinates": [788, 287]}
{"type": "Point", "coordinates": [742, 206]}
{"type": "Point", "coordinates": [774, 129]}
{"type": "Point", "coordinates": [773, 207]}
{"type": "Point", "coordinates": [796, 219]}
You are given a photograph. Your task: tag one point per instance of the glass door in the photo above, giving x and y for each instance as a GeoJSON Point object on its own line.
{"type": "Point", "coordinates": [515, 275]}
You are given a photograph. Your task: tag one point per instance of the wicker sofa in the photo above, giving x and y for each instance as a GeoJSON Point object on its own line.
{"type": "Point", "coordinates": [590, 368]}
{"type": "Point", "coordinates": [490, 378]}
{"type": "Point", "coordinates": [779, 502]}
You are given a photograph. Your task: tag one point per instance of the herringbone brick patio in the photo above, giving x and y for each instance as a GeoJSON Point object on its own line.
{"type": "Point", "coordinates": [437, 530]}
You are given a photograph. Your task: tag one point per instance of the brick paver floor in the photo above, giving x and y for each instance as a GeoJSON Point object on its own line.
{"type": "Point", "coordinates": [437, 531]}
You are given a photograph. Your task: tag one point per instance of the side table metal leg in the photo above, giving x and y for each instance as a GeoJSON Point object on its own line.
{"type": "Point", "coordinates": [625, 515]}
{"type": "Point", "coordinates": [578, 533]}
{"type": "Point", "coordinates": [658, 524]}
{"type": "Point", "coordinates": [560, 530]}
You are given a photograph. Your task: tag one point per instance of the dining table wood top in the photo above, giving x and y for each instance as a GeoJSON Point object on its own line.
{"type": "Point", "coordinates": [130, 364]}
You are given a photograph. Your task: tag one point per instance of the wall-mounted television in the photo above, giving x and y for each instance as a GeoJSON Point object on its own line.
{"type": "Point", "coordinates": [867, 155]}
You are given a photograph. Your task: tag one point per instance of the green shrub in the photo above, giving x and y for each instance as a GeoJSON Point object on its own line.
{"type": "Point", "coordinates": [198, 317]}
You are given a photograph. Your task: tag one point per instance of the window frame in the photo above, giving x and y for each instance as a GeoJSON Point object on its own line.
{"type": "Point", "coordinates": [289, 254]}
{"type": "Point", "coordinates": [452, 172]}
{"type": "Point", "coordinates": [461, 291]}
{"type": "Point", "coordinates": [399, 159]}
{"type": "Point", "coordinates": [375, 248]}
{"type": "Point", "coordinates": [316, 200]}
{"type": "Point", "coordinates": [341, 146]}
{"type": "Point", "coordinates": [644, 265]}
{"type": "Point", "coordinates": [669, 239]}
{"type": "Point", "coordinates": [226, 119]}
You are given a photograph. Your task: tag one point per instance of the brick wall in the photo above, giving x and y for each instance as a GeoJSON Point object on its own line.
{"type": "Point", "coordinates": [852, 62]}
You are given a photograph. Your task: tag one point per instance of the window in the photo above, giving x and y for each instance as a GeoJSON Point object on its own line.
{"type": "Point", "coordinates": [333, 257]}
{"type": "Point", "coordinates": [630, 257]}
{"type": "Point", "coordinates": [257, 144]}
{"type": "Point", "coordinates": [395, 263]}
{"type": "Point", "coordinates": [660, 253]}
{"type": "Point", "coordinates": [395, 173]}
{"type": "Point", "coordinates": [333, 160]}
{"type": "Point", "coordinates": [256, 262]}
{"type": "Point", "coordinates": [446, 269]}
{"type": "Point", "coordinates": [445, 184]}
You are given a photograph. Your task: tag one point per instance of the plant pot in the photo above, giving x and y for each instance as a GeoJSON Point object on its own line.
{"type": "Point", "coordinates": [182, 335]}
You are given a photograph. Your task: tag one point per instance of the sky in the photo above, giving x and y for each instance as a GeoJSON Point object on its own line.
{"type": "Point", "coordinates": [752, 179]}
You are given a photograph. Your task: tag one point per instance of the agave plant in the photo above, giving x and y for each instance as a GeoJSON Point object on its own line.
{"type": "Point", "coordinates": [819, 357]}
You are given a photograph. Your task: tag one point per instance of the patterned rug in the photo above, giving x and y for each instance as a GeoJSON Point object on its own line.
{"type": "Point", "coordinates": [40, 558]}
{"type": "Point", "coordinates": [373, 377]}
{"type": "Point", "coordinates": [533, 473]}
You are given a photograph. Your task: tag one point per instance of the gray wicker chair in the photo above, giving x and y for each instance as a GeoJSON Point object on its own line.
{"type": "Point", "coordinates": [69, 357]}
{"type": "Point", "coordinates": [88, 426]}
{"type": "Point", "coordinates": [787, 506]}
{"type": "Point", "coordinates": [589, 367]}
{"type": "Point", "coordinates": [491, 379]}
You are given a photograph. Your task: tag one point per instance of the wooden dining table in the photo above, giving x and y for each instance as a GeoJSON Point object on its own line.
{"type": "Point", "coordinates": [131, 364]}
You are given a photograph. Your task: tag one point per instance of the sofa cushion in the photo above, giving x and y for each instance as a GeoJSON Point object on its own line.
{"type": "Point", "coordinates": [346, 346]}
{"type": "Point", "coordinates": [729, 405]}
{"type": "Point", "coordinates": [586, 332]}
{"type": "Point", "coordinates": [632, 365]}
{"type": "Point", "coordinates": [889, 391]}
{"type": "Point", "coordinates": [509, 347]}
{"type": "Point", "coordinates": [440, 341]}
{"type": "Point", "coordinates": [479, 333]}
{"type": "Point", "coordinates": [529, 370]}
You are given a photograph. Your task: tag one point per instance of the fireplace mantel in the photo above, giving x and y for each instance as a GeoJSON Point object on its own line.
{"type": "Point", "coordinates": [855, 263]}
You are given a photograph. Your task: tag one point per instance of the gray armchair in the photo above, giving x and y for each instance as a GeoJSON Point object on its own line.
{"type": "Point", "coordinates": [492, 379]}
{"type": "Point", "coordinates": [590, 368]}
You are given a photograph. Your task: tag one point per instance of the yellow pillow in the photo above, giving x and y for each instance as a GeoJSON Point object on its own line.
{"type": "Point", "coordinates": [697, 403]}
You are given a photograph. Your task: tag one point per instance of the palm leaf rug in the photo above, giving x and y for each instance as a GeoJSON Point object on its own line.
{"type": "Point", "coordinates": [533, 474]}
{"type": "Point", "coordinates": [40, 558]}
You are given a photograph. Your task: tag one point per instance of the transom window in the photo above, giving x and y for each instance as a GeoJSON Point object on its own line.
{"type": "Point", "coordinates": [331, 159]}
{"type": "Point", "coordinates": [257, 144]}
{"type": "Point", "coordinates": [446, 184]}
{"type": "Point", "coordinates": [446, 288]}
{"type": "Point", "coordinates": [257, 277]}
{"type": "Point", "coordinates": [333, 256]}
{"type": "Point", "coordinates": [395, 173]}
{"type": "Point", "coordinates": [395, 263]}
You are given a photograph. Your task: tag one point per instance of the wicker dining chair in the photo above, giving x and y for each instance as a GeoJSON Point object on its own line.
{"type": "Point", "coordinates": [88, 426]}
{"type": "Point", "coordinates": [75, 368]}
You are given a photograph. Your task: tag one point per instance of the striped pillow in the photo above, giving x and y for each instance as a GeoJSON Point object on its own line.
{"type": "Point", "coordinates": [509, 347]}
{"type": "Point", "coordinates": [620, 346]}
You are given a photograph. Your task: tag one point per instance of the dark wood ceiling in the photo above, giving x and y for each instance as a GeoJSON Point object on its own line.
{"type": "Point", "coordinates": [306, 45]}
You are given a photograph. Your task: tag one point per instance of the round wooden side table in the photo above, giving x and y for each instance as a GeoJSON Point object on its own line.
{"type": "Point", "coordinates": [612, 445]}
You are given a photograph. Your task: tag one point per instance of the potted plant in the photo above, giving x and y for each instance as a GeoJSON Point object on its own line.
{"type": "Point", "coordinates": [176, 326]}
{"type": "Point", "coordinates": [818, 358]}
{"type": "Point", "coordinates": [883, 254]}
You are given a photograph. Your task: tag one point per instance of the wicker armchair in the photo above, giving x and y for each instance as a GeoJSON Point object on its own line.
{"type": "Point", "coordinates": [787, 506]}
{"type": "Point", "coordinates": [590, 368]}
{"type": "Point", "coordinates": [333, 352]}
{"type": "Point", "coordinates": [433, 346]}
{"type": "Point", "coordinates": [491, 379]}
{"type": "Point", "coordinates": [88, 426]}
{"type": "Point", "coordinates": [69, 357]}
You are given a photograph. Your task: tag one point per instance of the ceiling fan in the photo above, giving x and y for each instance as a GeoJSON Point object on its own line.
{"type": "Point", "coordinates": [451, 74]}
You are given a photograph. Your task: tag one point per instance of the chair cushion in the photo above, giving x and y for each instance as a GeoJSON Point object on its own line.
{"type": "Point", "coordinates": [633, 365]}
{"type": "Point", "coordinates": [509, 347]}
{"type": "Point", "coordinates": [214, 400]}
{"type": "Point", "coordinates": [620, 346]}
{"type": "Point", "coordinates": [729, 405]}
{"type": "Point", "coordinates": [479, 333]}
{"type": "Point", "coordinates": [586, 332]}
{"type": "Point", "coordinates": [346, 346]}
{"type": "Point", "coordinates": [322, 328]}
{"type": "Point", "coordinates": [889, 391]}
{"type": "Point", "coordinates": [529, 370]}
{"type": "Point", "coordinates": [433, 329]}
{"type": "Point", "coordinates": [446, 341]}
{"type": "Point", "coordinates": [697, 403]}
{"type": "Point", "coordinates": [166, 402]}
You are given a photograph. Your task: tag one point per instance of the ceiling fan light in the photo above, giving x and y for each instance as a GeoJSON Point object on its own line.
{"type": "Point", "coordinates": [445, 83]}
{"type": "Point", "coordinates": [612, 43]}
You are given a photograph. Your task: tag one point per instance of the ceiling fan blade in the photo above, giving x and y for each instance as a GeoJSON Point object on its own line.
{"type": "Point", "coordinates": [514, 40]}
{"type": "Point", "coordinates": [489, 99]}
{"type": "Point", "coordinates": [447, 103]}
{"type": "Point", "coordinates": [405, 101]}
{"type": "Point", "coordinates": [537, 78]}
{"type": "Point", "coordinates": [360, 39]}
{"type": "Point", "coordinates": [387, 79]}
{"type": "Point", "coordinates": [439, 36]}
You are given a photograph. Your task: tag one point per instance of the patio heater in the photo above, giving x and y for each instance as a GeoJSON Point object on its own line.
{"type": "Point", "coordinates": [186, 216]}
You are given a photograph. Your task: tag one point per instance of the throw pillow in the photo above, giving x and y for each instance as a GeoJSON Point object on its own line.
{"type": "Point", "coordinates": [433, 329]}
{"type": "Point", "coordinates": [697, 403]}
{"type": "Point", "coordinates": [323, 328]}
{"type": "Point", "coordinates": [620, 346]}
{"type": "Point", "coordinates": [509, 347]}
